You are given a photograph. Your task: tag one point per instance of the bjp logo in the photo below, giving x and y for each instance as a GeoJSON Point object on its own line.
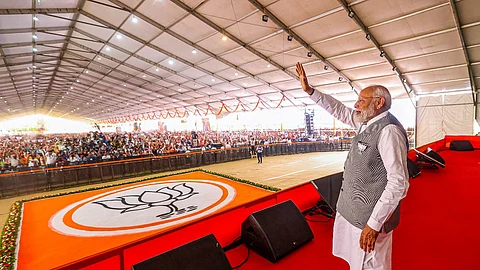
{"type": "Point", "coordinates": [143, 207]}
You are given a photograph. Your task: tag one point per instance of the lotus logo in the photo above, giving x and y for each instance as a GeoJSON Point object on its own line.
{"type": "Point", "coordinates": [163, 200]}
{"type": "Point", "coordinates": [143, 207]}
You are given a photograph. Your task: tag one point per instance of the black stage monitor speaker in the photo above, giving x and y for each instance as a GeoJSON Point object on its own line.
{"type": "Point", "coordinates": [329, 188]}
{"type": "Point", "coordinates": [413, 170]}
{"type": "Point", "coordinates": [461, 145]}
{"type": "Point", "coordinates": [436, 156]}
{"type": "Point", "coordinates": [202, 254]}
{"type": "Point", "coordinates": [276, 231]}
{"type": "Point", "coordinates": [429, 159]}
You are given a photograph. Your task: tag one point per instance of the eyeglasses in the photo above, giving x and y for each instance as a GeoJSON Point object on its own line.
{"type": "Point", "coordinates": [363, 99]}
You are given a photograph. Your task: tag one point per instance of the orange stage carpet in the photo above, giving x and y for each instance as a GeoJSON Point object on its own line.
{"type": "Point", "coordinates": [61, 230]}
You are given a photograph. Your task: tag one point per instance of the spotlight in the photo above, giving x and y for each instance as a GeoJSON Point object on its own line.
{"type": "Point", "coordinates": [194, 51]}
{"type": "Point", "coordinates": [35, 18]}
{"type": "Point", "coordinates": [119, 36]}
{"type": "Point", "coordinates": [404, 80]}
{"type": "Point", "coordinates": [382, 54]}
{"type": "Point", "coordinates": [309, 54]}
{"type": "Point", "coordinates": [289, 38]}
{"type": "Point", "coordinates": [134, 19]}
{"type": "Point", "coordinates": [265, 18]}
{"type": "Point", "coordinates": [394, 68]}
{"type": "Point", "coordinates": [367, 36]}
{"type": "Point", "coordinates": [340, 79]}
{"type": "Point", "coordinates": [35, 36]}
{"type": "Point", "coordinates": [34, 49]}
{"type": "Point", "coordinates": [224, 38]}
{"type": "Point", "coordinates": [325, 67]}
{"type": "Point", "coordinates": [351, 14]}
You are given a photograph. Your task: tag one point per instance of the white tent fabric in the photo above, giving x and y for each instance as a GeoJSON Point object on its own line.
{"type": "Point", "coordinates": [442, 115]}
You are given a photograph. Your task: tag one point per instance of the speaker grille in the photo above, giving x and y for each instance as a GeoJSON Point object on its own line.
{"type": "Point", "coordinates": [276, 231]}
{"type": "Point", "coordinates": [202, 254]}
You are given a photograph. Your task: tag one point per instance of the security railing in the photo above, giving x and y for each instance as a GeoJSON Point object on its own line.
{"type": "Point", "coordinates": [33, 181]}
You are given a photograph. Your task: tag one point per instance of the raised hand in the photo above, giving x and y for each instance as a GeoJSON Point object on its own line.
{"type": "Point", "coordinates": [303, 79]}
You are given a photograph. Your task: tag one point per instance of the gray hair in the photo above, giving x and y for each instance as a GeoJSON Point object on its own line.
{"type": "Point", "coordinates": [382, 91]}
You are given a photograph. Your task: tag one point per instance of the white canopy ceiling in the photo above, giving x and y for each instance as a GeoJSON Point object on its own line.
{"type": "Point", "coordinates": [101, 59]}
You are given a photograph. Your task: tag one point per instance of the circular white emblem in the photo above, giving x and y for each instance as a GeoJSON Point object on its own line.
{"type": "Point", "coordinates": [142, 208]}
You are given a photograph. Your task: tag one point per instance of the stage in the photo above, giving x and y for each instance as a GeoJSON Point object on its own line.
{"type": "Point", "coordinates": [437, 216]}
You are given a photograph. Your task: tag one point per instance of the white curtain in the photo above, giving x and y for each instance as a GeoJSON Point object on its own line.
{"type": "Point", "coordinates": [438, 116]}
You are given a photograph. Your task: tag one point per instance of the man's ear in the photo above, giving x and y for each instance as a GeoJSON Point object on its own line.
{"type": "Point", "coordinates": [380, 103]}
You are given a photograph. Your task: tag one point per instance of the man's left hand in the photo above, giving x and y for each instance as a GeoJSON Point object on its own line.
{"type": "Point", "coordinates": [368, 238]}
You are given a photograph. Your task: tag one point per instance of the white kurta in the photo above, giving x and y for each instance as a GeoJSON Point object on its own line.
{"type": "Point", "coordinates": [393, 151]}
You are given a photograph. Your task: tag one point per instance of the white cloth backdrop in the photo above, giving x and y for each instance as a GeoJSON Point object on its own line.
{"type": "Point", "coordinates": [438, 116]}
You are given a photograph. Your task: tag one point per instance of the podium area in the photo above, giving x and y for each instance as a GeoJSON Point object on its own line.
{"type": "Point", "coordinates": [439, 201]}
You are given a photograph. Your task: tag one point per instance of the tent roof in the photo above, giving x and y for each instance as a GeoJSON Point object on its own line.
{"type": "Point", "coordinates": [100, 59]}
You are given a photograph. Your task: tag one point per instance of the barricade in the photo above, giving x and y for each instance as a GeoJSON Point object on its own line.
{"type": "Point", "coordinates": [27, 182]}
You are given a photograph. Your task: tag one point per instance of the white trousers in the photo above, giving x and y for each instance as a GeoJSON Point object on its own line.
{"type": "Point", "coordinates": [346, 245]}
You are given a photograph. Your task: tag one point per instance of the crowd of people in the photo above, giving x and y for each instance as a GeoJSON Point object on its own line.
{"type": "Point", "coordinates": [32, 152]}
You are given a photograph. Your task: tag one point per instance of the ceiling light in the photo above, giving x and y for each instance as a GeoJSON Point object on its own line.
{"type": "Point", "coordinates": [382, 54]}
{"type": "Point", "coordinates": [309, 54]}
{"type": "Point", "coordinates": [134, 19]}
{"type": "Point", "coordinates": [35, 36]}
{"type": "Point", "coordinates": [367, 36]}
{"type": "Point", "coordinates": [394, 68]}
{"type": "Point", "coordinates": [404, 80]}
{"type": "Point", "coordinates": [144, 76]}
{"type": "Point", "coordinates": [93, 100]}
{"type": "Point", "coordinates": [35, 49]}
{"type": "Point", "coordinates": [119, 36]}
{"type": "Point", "coordinates": [179, 89]}
{"type": "Point", "coordinates": [340, 79]}
{"type": "Point", "coordinates": [101, 96]}
{"type": "Point", "coordinates": [170, 62]}
{"type": "Point", "coordinates": [71, 87]}
{"type": "Point", "coordinates": [236, 73]}
{"type": "Point", "coordinates": [194, 51]}
{"type": "Point", "coordinates": [157, 69]}
{"type": "Point", "coordinates": [289, 38]}
{"type": "Point", "coordinates": [99, 58]}
{"type": "Point", "coordinates": [78, 80]}
{"type": "Point", "coordinates": [107, 48]}
{"type": "Point", "coordinates": [351, 14]}
{"type": "Point", "coordinates": [269, 65]}
{"type": "Point", "coordinates": [325, 67]}
{"type": "Point", "coordinates": [35, 18]}
{"type": "Point", "coordinates": [28, 68]}
{"type": "Point", "coordinates": [124, 85]}
{"type": "Point", "coordinates": [265, 17]}
{"type": "Point", "coordinates": [224, 38]}
{"type": "Point", "coordinates": [33, 77]}
{"type": "Point", "coordinates": [34, 66]}
{"type": "Point", "coordinates": [86, 71]}
{"type": "Point", "coordinates": [213, 79]}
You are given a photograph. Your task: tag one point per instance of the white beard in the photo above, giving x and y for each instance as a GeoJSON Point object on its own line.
{"type": "Point", "coordinates": [366, 114]}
